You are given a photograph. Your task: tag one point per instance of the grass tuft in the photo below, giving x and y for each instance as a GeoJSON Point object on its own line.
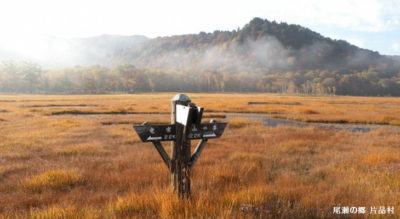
{"type": "Point", "coordinates": [64, 123]}
{"type": "Point", "coordinates": [396, 123]}
{"type": "Point", "coordinates": [379, 159]}
{"type": "Point", "coordinates": [307, 111]}
{"type": "Point", "coordinates": [82, 149]}
{"type": "Point", "coordinates": [240, 123]}
{"type": "Point", "coordinates": [53, 179]}
{"type": "Point", "coordinates": [243, 156]}
{"type": "Point", "coordinates": [65, 213]}
{"type": "Point", "coordinates": [273, 102]}
{"type": "Point", "coordinates": [134, 204]}
{"type": "Point", "coordinates": [257, 195]}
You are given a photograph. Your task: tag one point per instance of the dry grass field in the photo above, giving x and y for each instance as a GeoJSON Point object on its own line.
{"type": "Point", "coordinates": [78, 157]}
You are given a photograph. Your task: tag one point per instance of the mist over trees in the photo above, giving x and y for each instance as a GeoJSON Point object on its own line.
{"type": "Point", "coordinates": [263, 56]}
{"type": "Point", "coordinates": [31, 78]}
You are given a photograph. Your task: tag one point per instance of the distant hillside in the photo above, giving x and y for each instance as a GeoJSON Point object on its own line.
{"type": "Point", "coordinates": [260, 46]}
{"type": "Point", "coordinates": [271, 57]}
{"type": "Point", "coordinates": [263, 56]}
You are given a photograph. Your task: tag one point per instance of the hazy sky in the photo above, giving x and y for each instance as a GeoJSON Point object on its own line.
{"type": "Point", "coordinates": [369, 24]}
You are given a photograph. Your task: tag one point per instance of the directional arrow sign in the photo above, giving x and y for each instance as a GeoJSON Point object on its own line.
{"type": "Point", "coordinates": [207, 130]}
{"type": "Point", "coordinates": [168, 132]}
{"type": "Point", "coordinates": [155, 132]}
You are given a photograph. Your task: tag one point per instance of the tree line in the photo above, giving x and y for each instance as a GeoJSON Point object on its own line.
{"type": "Point", "coordinates": [31, 78]}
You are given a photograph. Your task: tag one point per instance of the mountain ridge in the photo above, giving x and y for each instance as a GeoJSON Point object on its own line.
{"type": "Point", "coordinates": [302, 48]}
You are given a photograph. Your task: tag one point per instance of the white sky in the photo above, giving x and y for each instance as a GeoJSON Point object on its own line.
{"type": "Point", "coordinates": [371, 24]}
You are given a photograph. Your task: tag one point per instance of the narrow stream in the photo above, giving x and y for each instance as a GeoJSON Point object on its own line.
{"type": "Point", "coordinates": [266, 121]}
{"type": "Point", "coordinates": [273, 122]}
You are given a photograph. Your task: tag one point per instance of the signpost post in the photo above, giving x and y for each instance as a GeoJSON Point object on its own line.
{"type": "Point", "coordinates": [185, 126]}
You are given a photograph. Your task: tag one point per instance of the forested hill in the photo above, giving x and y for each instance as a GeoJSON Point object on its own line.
{"type": "Point", "coordinates": [262, 56]}
{"type": "Point", "coordinates": [282, 57]}
{"type": "Point", "coordinates": [260, 46]}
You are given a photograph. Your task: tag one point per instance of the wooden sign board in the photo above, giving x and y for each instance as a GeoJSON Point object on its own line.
{"type": "Point", "coordinates": [149, 132]}
{"type": "Point", "coordinates": [182, 114]}
{"type": "Point", "coordinates": [186, 125]}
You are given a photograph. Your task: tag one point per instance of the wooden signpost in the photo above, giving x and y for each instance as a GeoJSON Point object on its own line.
{"type": "Point", "coordinates": [185, 126]}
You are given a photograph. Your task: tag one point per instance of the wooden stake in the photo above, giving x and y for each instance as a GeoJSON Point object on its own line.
{"type": "Point", "coordinates": [176, 167]}
{"type": "Point", "coordinates": [184, 183]}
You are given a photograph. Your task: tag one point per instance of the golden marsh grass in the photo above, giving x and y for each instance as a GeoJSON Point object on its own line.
{"type": "Point", "coordinates": [91, 164]}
